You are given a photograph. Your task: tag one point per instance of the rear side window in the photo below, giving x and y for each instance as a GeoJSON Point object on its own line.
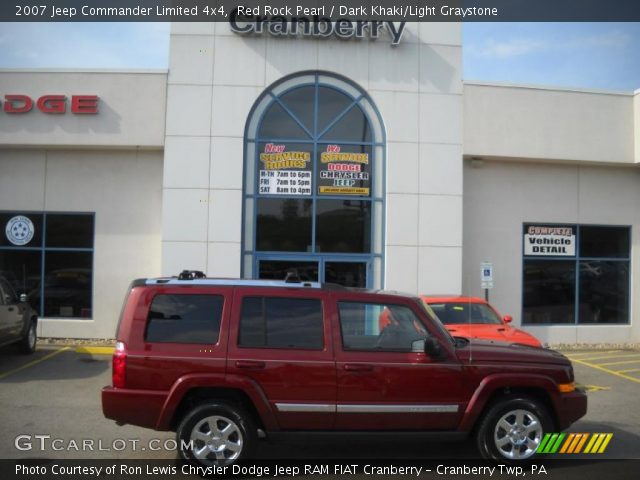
{"type": "Point", "coordinates": [274, 322]}
{"type": "Point", "coordinates": [180, 318]}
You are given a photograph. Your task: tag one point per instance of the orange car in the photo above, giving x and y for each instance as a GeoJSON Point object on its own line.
{"type": "Point", "coordinates": [474, 318]}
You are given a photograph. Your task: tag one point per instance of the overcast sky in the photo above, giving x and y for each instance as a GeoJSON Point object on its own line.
{"type": "Point", "coordinates": [583, 55]}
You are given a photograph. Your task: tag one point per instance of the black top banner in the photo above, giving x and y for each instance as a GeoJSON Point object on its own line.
{"type": "Point", "coordinates": [320, 10]}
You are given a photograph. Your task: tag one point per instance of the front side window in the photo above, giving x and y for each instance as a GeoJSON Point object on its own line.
{"type": "Point", "coordinates": [379, 327]}
{"type": "Point", "coordinates": [279, 322]}
{"type": "Point", "coordinates": [182, 318]}
{"type": "Point", "coordinates": [49, 257]}
{"type": "Point", "coordinates": [576, 274]}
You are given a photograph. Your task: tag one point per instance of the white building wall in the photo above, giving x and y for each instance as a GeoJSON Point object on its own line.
{"type": "Point", "coordinates": [550, 124]}
{"type": "Point", "coordinates": [636, 124]}
{"type": "Point", "coordinates": [131, 107]}
{"type": "Point", "coordinates": [502, 195]}
{"type": "Point", "coordinates": [109, 163]}
{"type": "Point", "coordinates": [123, 188]}
{"type": "Point", "coordinates": [216, 75]}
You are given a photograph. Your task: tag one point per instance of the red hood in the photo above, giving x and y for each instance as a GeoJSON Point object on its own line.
{"type": "Point", "coordinates": [501, 333]}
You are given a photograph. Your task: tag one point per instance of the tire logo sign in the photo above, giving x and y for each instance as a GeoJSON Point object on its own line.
{"type": "Point", "coordinates": [19, 230]}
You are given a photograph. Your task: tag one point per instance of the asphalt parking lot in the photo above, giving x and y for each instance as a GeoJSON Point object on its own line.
{"type": "Point", "coordinates": [55, 393]}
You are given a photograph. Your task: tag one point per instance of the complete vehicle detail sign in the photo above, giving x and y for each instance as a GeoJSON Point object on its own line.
{"type": "Point", "coordinates": [549, 240]}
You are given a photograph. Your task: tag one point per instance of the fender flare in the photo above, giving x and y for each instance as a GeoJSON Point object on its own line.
{"type": "Point", "coordinates": [233, 382]}
{"type": "Point", "coordinates": [491, 383]}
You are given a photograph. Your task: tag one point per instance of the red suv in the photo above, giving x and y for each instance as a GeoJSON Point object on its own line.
{"type": "Point", "coordinates": [223, 362]}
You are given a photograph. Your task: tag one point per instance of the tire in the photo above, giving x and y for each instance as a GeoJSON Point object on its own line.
{"type": "Point", "coordinates": [221, 434]}
{"type": "Point", "coordinates": [28, 343]}
{"type": "Point", "coordinates": [512, 429]}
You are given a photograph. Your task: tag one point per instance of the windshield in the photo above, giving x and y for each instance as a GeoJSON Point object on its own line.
{"type": "Point", "coordinates": [437, 323]}
{"type": "Point", "coordinates": [456, 313]}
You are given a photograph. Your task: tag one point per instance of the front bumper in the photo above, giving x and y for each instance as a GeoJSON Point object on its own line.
{"type": "Point", "coordinates": [571, 408]}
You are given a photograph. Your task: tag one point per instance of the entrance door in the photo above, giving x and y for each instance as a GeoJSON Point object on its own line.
{"type": "Point", "coordinates": [348, 272]}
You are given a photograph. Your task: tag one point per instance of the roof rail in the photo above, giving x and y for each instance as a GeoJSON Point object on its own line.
{"type": "Point", "coordinates": [198, 278]}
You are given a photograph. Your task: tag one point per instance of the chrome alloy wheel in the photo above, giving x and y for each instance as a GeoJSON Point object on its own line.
{"type": "Point", "coordinates": [518, 434]}
{"type": "Point", "coordinates": [216, 440]}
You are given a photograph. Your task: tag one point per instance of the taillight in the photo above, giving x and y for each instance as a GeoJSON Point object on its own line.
{"type": "Point", "coordinates": [119, 367]}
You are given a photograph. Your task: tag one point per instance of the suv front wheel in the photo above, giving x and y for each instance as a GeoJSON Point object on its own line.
{"type": "Point", "coordinates": [215, 434]}
{"type": "Point", "coordinates": [512, 429]}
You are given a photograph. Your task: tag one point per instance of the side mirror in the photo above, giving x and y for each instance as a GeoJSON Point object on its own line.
{"type": "Point", "coordinates": [432, 347]}
{"type": "Point", "coordinates": [507, 319]}
{"type": "Point", "coordinates": [417, 346]}
{"type": "Point", "coordinates": [23, 298]}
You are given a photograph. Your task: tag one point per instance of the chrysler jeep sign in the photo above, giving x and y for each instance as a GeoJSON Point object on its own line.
{"type": "Point", "coordinates": [76, 104]}
{"type": "Point", "coordinates": [258, 20]}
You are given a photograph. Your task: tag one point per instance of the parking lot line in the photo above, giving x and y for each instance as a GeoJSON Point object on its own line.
{"type": "Point", "coordinates": [607, 370]}
{"type": "Point", "coordinates": [607, 357]}
{"type": "Point", "coordinates": [34, 362]}
{"type": "Point", "coordinates": [629, 371]}
{"type": "Point", "coordinates": [608, 364]}
{"type": "Point", "coordinates": [96, 350]}
{"type": "Point", "coordinates": [575, 355]}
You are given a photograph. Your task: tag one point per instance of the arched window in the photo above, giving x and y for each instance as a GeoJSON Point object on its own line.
{"type": "Point", "coordinates": [314, 153]}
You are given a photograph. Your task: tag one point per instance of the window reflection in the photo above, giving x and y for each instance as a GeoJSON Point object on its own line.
{"type": "Point", "coordinates": [283, 225]}
{"type": "Point", "coordinates": [343, 226]}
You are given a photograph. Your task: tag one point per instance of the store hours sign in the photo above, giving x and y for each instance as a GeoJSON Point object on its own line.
{"type": "Point", "coordinates": [284, 171]}
{"type": "Point", "coordinates": [549, 240]}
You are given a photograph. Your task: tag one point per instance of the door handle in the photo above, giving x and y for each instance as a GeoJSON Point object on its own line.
{"type": "Point", "coordinates": [250, 364]}
{"type": "Point", "coordinates": [11, 309]}
{"type": "Point", "coordinates": [357, 367]}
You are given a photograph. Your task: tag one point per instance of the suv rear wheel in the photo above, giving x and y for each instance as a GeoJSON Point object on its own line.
{"type": "Point", "coordinates": [512, 429]}
{"type": "Point", "coordinates": [216, 434]}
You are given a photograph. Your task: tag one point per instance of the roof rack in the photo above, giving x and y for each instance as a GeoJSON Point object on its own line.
{"type": "Point", "coordinates": [191, 275]}
{"type": "Point", "coordinates": [196, 277]}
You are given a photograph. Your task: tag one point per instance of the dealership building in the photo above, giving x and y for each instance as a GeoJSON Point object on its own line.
{"type": "Point", "coordinates": [359, 158]}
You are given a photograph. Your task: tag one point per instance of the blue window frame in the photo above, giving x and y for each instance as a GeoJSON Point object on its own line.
{"type": "Point", "coordinates": [49, 257]}
{"type": "Point", "coordinates": [576, 274]}
{"type": "Point", "coordinates": [314, 158]}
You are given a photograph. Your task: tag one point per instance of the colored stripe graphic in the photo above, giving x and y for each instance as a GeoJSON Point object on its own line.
{"type": "Point", "coordinates": [572, 443]}
{"type": "Point", "coordinates": [582, 442]}
{"type": "Point", "coordinates": [550, 443]}
{"type": "Point", "coordinates": [556, 446]}
{"type": "Point", "coordinates": [607, 439]}
{"type": "Point", "coordinates": [543, 443]}
{"type": "Point", "coordinates": [570, 439]}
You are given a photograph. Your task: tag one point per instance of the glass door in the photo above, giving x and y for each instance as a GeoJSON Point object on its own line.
{"type": "Point", "coordinates": [348, 272]}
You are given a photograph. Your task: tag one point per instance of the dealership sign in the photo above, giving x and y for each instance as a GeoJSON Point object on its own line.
{"type": "Point", "coordinates": [549, 241]}
{"type": "Point", "coordinates": [78, 104]}
{"type": "Point", "coordinates": [261, 19]}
